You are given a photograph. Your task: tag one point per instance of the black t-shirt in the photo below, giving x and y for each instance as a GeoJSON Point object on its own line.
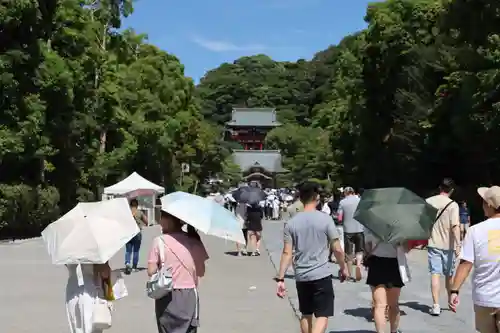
{"type": "Point", "coordinates": [334, 206]}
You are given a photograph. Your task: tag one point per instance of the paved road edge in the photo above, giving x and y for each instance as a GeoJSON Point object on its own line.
{"type": "Point", "coordinates": [288, 284]}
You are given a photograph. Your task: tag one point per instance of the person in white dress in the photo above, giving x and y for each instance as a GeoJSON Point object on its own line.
{"type": "Point", "coordinates": [276, 208]}
{"type": "Point", "coordinates": [83, 287]}
{"type": "Point", "coordinates": [241, 212]}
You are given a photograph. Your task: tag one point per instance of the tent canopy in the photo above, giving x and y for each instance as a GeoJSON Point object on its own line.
{"type": "Point", "coordinates": [132, 183]}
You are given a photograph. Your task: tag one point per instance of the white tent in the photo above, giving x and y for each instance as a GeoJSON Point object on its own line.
{"type": "Point", "coordinates": [132, 183]}
{"type": "Point", "coordinates": [133, 186]}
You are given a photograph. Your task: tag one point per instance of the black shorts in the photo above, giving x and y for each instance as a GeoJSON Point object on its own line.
{"type": "Point", "coordinates": [316, 297]}
{"type": "Point", "coordinates": [245, 234]}
{"type": "Point", "coordinates": [384, 272]}
{"type": "Point", "coordinates": [254, 221]}
{"type": "Point", "coordinates": [354, 242]}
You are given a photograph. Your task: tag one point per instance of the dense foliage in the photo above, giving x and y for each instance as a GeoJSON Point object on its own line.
{"type": "Point", "coordinates": [412, 98]}
{"type": "Point", "coordinates": [83, 105]}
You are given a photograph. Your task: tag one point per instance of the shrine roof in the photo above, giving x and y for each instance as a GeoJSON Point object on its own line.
{"type": "Point", "coordinates": [269, 160]}
{"type": "Point", "coordinates": [264, 117]}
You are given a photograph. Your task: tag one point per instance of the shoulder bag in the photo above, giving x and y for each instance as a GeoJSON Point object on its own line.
{"type": "Point", "coordinates": [101, 315]}
{"type": "Point", "coordinates": [160, 283]}
{"type": "Point", "coordinates": [102, 310]}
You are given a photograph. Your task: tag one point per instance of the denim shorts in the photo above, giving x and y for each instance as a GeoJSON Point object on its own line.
{"type": "Point", "coordinates": [441, 262]}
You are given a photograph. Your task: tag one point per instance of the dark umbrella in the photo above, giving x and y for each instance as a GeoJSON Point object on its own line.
{"type": "Point", "coordinates": [395, 214]}
{"type": "Point", "coordinates": [249, 195]}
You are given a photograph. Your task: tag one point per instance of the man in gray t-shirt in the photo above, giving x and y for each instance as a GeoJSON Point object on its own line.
{"type": "Point", "coordinates": [311, 234]}
{"type": "Point", "coordinates": [308, 239]}
{"type": "Point", "coordinates": [354, 242]}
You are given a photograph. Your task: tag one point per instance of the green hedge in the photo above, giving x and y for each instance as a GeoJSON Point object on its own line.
{"type": "Point", "coordinates": [26, 210]}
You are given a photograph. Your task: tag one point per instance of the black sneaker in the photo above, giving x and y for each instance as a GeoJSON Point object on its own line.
{"type": "Point", "coordinates": [128, 269]}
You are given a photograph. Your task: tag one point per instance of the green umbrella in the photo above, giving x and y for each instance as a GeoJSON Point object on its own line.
{"type": "Point", "coordinates": [395, 214]}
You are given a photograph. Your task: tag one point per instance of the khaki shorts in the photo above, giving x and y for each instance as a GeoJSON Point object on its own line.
{"type": "Point", "coordinates": [487, 319]}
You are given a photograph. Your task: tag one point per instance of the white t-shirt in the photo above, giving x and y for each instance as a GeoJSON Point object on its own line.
{"type": "Point", "coordinates": [326, 209]}
{"type": "Point", "coordinates": [481, 247]}
{"type": "Point", "coordinates": [241, 212]}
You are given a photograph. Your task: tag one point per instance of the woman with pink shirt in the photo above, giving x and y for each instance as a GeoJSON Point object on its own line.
{"type": "Point", "coordinates": [177, 312]}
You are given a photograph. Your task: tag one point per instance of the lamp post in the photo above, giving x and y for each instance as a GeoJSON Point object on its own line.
{"type": "Point", "coordinates": [184, 169]}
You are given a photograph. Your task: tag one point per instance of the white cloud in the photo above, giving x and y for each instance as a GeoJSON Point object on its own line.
{"type": "Point", "coordinates": [225, 46]}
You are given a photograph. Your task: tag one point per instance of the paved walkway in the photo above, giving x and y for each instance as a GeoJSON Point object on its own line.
{"type": "Point", "coordinates": [352, 300]}
{"type": "Point", "coordinates": [237, 295]}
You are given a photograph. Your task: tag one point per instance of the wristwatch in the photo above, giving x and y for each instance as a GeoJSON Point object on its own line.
{"type": "Point", "coordinates": [454, 292]}
{"type": "Point", "coordinates": [279, 280]}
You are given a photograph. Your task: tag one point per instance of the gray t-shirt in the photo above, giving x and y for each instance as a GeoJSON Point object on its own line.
{"type": "Point", "coordinates": [380, 249]}
{"type": "Point", "coordinates": [310, 234]}
{"type": "Point", "coordinates": [347, 207]}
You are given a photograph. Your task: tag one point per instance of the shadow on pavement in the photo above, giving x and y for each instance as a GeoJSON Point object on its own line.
{"type": "Point", "coordinates": [123, 269]}
{"type": "Point", "coordinates": [353, 331]}
{"type": "Point", "coordinates": [232, 253]}
{"type": "Point", "coordinates": [365, 313]}
{"type": "Point", "coordinates": [417, 306]}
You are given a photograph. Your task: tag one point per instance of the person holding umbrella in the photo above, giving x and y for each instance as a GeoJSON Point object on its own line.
{"type": "Point", "coordinates": [385, 280]}
{"type": "Point", "coordinates": [254, 217]}
{"type": "Point", "coordinates": [252, 195]}
{"type": "Point", "coordinates": [391, 217]}
{"type": "Point", "coordinates": [177, 312]}
{"type": "Point", "coordinates": [84, 240]}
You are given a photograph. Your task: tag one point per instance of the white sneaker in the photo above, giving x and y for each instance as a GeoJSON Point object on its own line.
{"type": "Point", "coordinates": [435, 310]}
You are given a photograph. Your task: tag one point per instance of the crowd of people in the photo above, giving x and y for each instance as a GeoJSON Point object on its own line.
{"type": "Point", "coordinates": [318, 230]}
{"type": "Point", "coordinates": [313, 235]}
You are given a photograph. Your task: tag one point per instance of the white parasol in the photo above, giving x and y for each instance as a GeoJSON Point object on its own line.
{"type": "Point", "coordinates": [90, 233]}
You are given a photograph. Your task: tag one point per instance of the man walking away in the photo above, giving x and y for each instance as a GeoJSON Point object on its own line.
{"type": "Point", "coordinates": [481, 256]}
{"type": "Point", "coordinates": [444, 244]}
{"type": "Point", "coordinates": [308, 239]}
{"type": "Point", "coordinates": [296, 207]}
{"type": "Point", "coordinates": [354, 241]}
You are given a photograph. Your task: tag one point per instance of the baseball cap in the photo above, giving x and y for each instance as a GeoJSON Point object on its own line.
{"type": "Point", "coordinates": [491, 195]}
{"type": "Point", "coordinates": [348, 189]}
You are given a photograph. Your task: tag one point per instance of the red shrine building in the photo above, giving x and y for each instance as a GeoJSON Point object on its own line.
{"type": "Point", "coordinates": [249, 127]}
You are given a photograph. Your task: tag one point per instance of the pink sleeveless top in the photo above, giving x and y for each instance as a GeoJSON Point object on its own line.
{"type": "Point", "coordinates": [184, 255]}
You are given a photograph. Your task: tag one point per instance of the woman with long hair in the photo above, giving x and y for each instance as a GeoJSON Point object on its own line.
{"type": "Point", "coordinates": [84, 285]}
{"type": "Point", "coordinates": [185, 254]}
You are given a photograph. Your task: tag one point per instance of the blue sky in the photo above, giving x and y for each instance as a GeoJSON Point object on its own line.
{"type": "Point", "coordinates": [206, 33]}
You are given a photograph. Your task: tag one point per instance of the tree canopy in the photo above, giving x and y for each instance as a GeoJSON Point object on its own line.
{"type": "Point", "coordinates": [83, 105]}
{"type": "Point", "coordinates": [409, 100]}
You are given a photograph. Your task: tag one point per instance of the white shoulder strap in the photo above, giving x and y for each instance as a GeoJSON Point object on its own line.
{"type": "Point", "coordinates": [160, 243]}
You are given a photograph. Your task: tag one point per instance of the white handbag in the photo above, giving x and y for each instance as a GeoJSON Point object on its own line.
{"type": "Point", "coordinates": [160, 283]}
{"type": "Point", "coordinates": [101, 315]}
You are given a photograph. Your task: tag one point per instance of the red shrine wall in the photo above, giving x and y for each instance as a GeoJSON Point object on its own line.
{"type": "Point", "coordinates": [249, 139]}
